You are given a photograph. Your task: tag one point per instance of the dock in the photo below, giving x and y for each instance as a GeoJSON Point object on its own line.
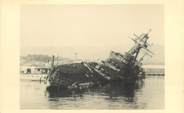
{"type": "Point", "coordinates": [154, 70]}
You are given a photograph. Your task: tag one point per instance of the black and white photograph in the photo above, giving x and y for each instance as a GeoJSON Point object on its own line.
{"type": "Point", "coordinates": [88, 56]}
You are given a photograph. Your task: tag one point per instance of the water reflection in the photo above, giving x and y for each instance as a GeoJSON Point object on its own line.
{"type": "Point", "coordinates": [123, 89]}
{"type": "Point", "coordinates": [147, 94]}
{"type": "Point", "coordinates": [112, 91]}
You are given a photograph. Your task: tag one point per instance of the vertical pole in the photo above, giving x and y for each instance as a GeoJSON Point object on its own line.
{"type": "Point", "coordinates": [52, 63]}
{"type": "Point", "coordinates": [75, 55]}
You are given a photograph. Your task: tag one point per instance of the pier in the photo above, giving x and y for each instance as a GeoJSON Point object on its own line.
{"type": "Point", "coordinates": [154, 70]}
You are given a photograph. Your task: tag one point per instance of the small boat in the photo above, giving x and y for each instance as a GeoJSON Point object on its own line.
{"type": "Point", "coordinates": [34, 73]}
{"type": "Point", "coordinates": [33, 77]}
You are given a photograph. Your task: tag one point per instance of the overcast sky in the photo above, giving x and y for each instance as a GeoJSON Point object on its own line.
{"type": "Point", "coordinates": [90, 30]}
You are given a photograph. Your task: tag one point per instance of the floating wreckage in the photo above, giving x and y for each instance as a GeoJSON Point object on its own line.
{"type": "Point", "coordinates": [117, 68]}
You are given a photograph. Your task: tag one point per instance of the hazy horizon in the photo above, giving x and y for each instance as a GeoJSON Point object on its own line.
{"type": "Point", "coordinates": [92, 31]}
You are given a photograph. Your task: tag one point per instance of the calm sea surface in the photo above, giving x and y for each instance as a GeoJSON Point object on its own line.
{"type": "Point", "coordinates": [148, 94]}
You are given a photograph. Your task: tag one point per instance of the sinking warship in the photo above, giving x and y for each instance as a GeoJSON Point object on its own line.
{"type": "Point", "coordinates": [124, 68]}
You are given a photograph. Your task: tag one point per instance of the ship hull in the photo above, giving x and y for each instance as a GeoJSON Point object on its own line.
{"type": "Point", "coordinates": [117, 67]}
{"type": "Point", "coordinates": [79, 76]}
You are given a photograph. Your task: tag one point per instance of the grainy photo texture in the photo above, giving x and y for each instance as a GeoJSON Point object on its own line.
{"type": "Point", "coordinates": [92, 56]}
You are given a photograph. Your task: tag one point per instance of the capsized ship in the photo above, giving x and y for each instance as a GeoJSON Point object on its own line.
{"type": "Point", "coordinates": [118, 67]}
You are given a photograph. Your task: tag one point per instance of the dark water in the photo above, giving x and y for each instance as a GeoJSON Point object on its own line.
{"type": "Point", "coordinates": [148, 94]}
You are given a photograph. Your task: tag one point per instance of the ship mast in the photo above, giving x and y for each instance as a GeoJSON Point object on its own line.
{"type": "Point", "coordinates": [140, 43]}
